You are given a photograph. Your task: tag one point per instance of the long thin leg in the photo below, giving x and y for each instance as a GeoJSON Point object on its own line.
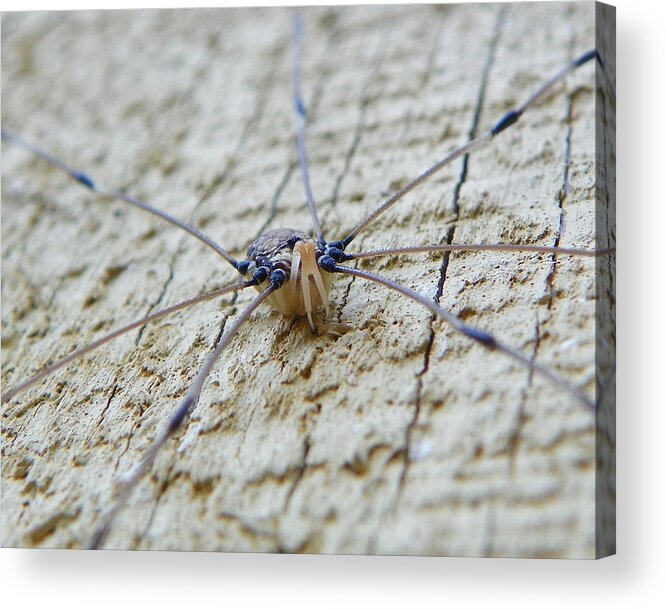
{"type": "Point", "coordinates": [506, 121]}
{"type": "Point", "coordinates": [130, 480]}
{"type": "Point", "coordinates": [301, 123]}
{"type": "Point", "coordinates": [9, 394]}
{"type": "Point", "coordinates": [480, 336]}
{"type": "Point", "coordinates": [86, 181]}
{"type": "Point", "coordinates": [478, 247]}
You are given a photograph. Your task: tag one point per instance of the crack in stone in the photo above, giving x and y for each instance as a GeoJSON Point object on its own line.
{"type": "Point", "coordinates": [108, 401]}
{"type": "Point", "coordinates": [277, 195]}
{"type": "Point", "coordinates": [351, 152]}
{"type": "Point", "coordinates": [563, 196]}
{"type": "Point", "coordinates": [162, 488]}
{"type": "Point", "coordinates": [446, 256]}
{"type": "Point", "coordinates": [158, 301]}
{"type": "Point", "coordinates": [514, 440]}
{"type": "Point", "coordinates": [299, 475]}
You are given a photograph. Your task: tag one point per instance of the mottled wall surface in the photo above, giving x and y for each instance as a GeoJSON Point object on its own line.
{"type": "Point", "coordinates": [399, 436]}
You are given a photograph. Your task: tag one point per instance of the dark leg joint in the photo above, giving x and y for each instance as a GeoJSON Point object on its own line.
{"type": "Point", "coordinates": [261, 274]}
{"type": "Point", "coordinates": [300, 107]}
{"type": "Point", "coordinates": [587, 57]}
{"type": "Point", "coordinates": [327, 263]}
{"type": "Point", "coordinates": [179, 415]}
{"type": "Point", "coordinates": [242, 266]}
{"type": "Point", "coordinates": [485, 339]}
{"type": "Point", "coordinates": [346, 242]}
{"type": "Point", "coordinates": [508, 120]}
{"type": "Point", "coordinates": [337, 254]}
{"type": "Point", "coordinates": [83, 179]}
{"type": "Point", "coordinates": [277, 279]}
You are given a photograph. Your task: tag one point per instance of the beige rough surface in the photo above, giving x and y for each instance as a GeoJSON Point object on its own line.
{"type": "Point", "coordinates": [399, 437]}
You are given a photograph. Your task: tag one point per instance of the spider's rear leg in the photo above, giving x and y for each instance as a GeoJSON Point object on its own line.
{"type": "Point", "coordinates": [129, 481]}
{"type": "Point", "coordinates": [476, 334]}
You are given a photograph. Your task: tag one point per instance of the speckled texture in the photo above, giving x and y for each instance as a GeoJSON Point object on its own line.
{"type": "Point", "coordinates": [398, 437]}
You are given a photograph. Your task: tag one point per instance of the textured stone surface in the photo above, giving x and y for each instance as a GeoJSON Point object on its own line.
{"type": "Point", "coordinates": [398, 436]}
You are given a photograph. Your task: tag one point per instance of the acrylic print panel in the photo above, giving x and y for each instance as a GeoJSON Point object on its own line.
{"type": "Point", "coordinates": [397, 436]}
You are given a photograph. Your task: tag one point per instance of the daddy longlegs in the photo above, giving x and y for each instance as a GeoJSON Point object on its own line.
{"type": "Point", "coordinates": [282, 393]}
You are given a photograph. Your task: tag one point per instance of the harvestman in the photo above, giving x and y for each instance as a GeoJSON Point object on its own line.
{"type": "Point", "coordinates": [293, 271]}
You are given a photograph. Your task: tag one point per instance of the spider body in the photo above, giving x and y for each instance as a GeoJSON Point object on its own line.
{"type": "Point", "coordinates": [294, 252]}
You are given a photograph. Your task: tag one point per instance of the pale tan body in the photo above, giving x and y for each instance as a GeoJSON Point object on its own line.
{"type": "Point", "coordinates": [306, 289]}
